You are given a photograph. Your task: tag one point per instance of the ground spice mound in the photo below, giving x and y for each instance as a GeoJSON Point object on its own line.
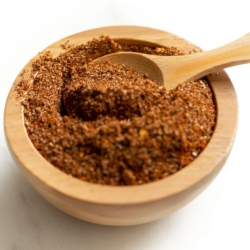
{"type": "Point", "coordinates": [113, 90]}
{"type": "Point", "coordinates": [105, 123]}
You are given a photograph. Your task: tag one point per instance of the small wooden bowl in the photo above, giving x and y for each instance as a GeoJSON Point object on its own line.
{"type": "Point", "coordinates": [128, 205]}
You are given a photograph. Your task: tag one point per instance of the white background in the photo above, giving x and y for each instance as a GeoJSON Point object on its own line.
{"type": "Point", "coordinates": [218, 219]}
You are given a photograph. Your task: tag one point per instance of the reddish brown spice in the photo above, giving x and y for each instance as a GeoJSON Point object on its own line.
{"type": "Point", "coordinates": [105, 123]}
{"type": "Point", "coordinates": [105, 89]}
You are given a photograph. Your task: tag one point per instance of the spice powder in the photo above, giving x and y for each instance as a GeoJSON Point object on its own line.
{"type": "Point", "coordinates": [106, 123]}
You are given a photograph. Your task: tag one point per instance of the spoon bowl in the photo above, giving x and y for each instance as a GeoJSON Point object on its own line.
{"type": "Point", "coordinates": [173, 70]}
{"type": "Point", "coordinates": [142, 63]}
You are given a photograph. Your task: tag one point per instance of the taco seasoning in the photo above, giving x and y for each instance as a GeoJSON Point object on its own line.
{"type": "Point", "coordinates": [107, 124]}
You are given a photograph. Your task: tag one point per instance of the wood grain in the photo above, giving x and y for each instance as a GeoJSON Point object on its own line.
{"type": "Point", "coordinates": [133, 204]}
{"type": "Point", "coordinates": [173, 70]}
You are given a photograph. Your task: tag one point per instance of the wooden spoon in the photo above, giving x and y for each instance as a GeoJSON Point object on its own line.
{"type": "Point", "coordinates": [172, 70]}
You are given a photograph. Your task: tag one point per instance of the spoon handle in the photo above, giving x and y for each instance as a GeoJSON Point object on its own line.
{"type": "Point", "coordinates": [195, 66]}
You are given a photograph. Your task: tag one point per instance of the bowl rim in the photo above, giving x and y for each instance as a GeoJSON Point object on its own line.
{"type": "Point", "coordinates": [38, 170]}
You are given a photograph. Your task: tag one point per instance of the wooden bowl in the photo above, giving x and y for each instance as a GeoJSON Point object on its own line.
{"type": "Point", "coordinates": [128, 205]}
